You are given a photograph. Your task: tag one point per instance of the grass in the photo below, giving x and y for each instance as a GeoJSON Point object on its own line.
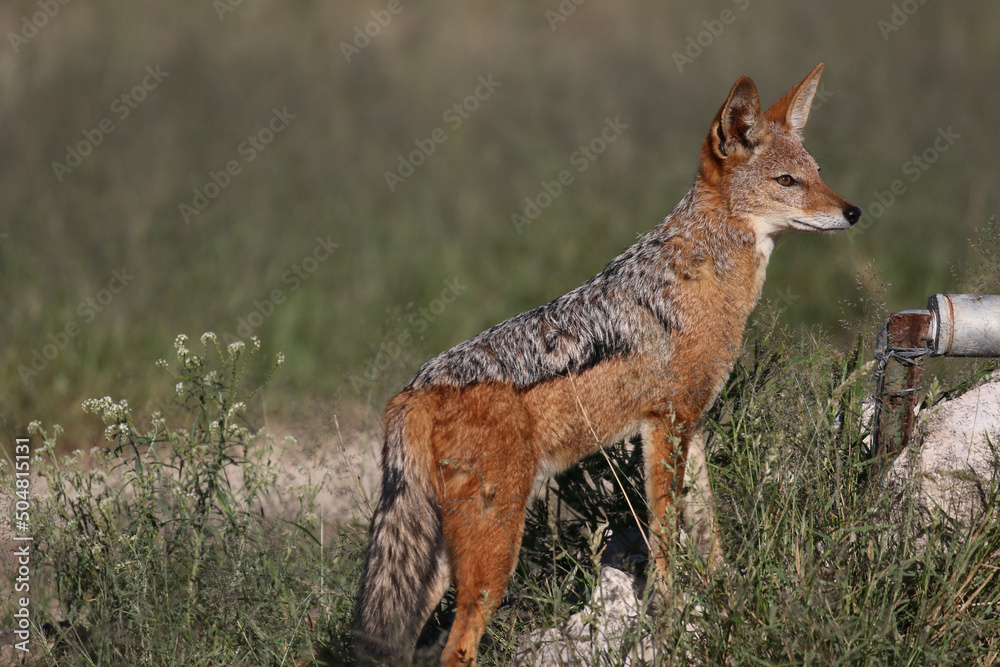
{"type": "Point", "coordinates": [324, 174]}
{"type": "Point", "coordinates": [175, 545]}
{"type": "Point", "coordinates": [166, 547]}
{"type": "Point", "coordinates": [823, 568]}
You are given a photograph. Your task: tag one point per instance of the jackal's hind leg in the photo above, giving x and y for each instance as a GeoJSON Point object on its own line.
{"type": "Point", "coordinates": [483, 520]}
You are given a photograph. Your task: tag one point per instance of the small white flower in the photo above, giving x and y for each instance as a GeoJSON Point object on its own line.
{"type": "Point", "coordinates": [208, 336]}
{"type": "Point", "coordinates": [281, 359]}
{"type": "Point", "coordinates": [234, 408]}
{"type": "Point", "coordinates": [159, 422]}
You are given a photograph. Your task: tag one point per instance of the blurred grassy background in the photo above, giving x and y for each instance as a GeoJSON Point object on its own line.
{"type": "Point", "coordinates": [887, 94]}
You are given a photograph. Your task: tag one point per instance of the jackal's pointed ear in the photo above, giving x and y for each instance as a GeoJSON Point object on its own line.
{"type": "Point", "coordinates": [739, 126]}
{"type": "Point", "coordinates": [792, 108]}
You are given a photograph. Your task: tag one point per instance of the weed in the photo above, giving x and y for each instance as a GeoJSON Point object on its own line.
{"type": "Point", "coordinates": [166, 548]}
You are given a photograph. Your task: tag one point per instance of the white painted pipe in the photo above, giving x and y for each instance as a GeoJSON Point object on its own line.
{"type": "Point", "coordinates": [965, 325]}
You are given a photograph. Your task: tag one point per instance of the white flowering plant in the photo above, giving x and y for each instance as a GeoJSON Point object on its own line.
{"type": "Point", "coordinates": [172, 523]}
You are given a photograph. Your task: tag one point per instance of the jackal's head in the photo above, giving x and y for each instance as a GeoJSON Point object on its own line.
{"type": "Point", "coordinates": [755, 162]}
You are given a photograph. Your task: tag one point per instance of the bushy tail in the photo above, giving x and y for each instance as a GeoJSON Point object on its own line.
{"type": "Point", "coordinates": [406, 551]}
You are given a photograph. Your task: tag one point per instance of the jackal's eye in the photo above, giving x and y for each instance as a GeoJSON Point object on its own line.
{"type": "Point", "coordinates": [785, 180]}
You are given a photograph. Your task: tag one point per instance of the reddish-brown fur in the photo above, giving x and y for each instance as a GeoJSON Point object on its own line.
{"type": "Point", "coordinates": [479, 447]}
{"type": "Point", "coordinates": [489, 439]}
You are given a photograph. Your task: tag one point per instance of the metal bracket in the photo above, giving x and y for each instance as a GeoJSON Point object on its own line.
{"type": "Point", "coordinates": [901, 342]}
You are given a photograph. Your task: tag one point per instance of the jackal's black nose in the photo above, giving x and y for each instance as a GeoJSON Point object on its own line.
{"type": "Point", "coordinates": [852, 213]}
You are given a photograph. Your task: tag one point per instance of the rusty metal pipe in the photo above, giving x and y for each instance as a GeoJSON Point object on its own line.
{"type": "Point", "coordinates": [954, 325]}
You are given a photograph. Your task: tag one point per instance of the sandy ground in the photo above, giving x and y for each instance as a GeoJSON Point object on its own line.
{"type": "Point", "coordinates": [344, 462]}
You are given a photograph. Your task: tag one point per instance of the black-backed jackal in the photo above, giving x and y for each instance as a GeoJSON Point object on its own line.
{"type": "Point", "coordinates": [642, 347]}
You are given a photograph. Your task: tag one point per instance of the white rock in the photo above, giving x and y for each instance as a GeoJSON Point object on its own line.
{"type": "Point", "coordinates": [951, 459]}
{"type": "Point", "coordinates": [594, 635]}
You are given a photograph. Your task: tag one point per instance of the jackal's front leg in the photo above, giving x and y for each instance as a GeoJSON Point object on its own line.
{"type": "Point", "coordinates": [666, 441]}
